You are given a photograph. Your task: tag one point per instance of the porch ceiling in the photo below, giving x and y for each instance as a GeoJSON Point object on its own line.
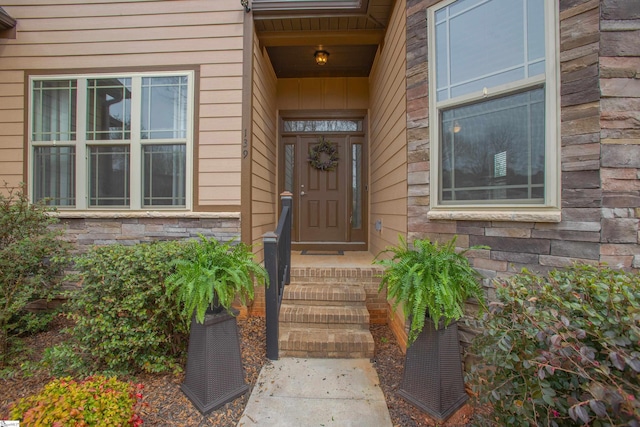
{"type": "Point", "coordinates": [350, 35]}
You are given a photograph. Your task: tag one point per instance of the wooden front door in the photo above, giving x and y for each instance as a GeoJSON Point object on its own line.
{"type": "Point", "coordinates": [329, 205]}
{"type": "Point", "coordinates": [323, 194]}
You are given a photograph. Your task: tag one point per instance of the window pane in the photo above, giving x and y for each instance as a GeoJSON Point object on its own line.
{"type": "Point", "coordinates": [54, 110]}
{"type": "Point", "coordinates": [289, 167]}
{"type": "Point", "coordinates": [487, 44]}
{"type": "Point", "coordinates": [54, 175]}
{"type": "Point", "coordinates": [356, 183]}
{"type": "Point", "coordinates": [535, 30]}
{"type": "Point", "coordinates": [494, 150]}
{"type": "Point", "coordinates": [109, 109]}
{"type": "Point", "coordinates": [323, 126]}
{"type": "Point", "coordinates": [164, 175]}
{"type": "Point", "coordinates": [164, 107]}
{"type": "Point", "coordinates": [109, 175]}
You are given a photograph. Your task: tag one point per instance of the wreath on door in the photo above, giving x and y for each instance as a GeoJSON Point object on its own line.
{"type": "Point", "coordinates": [324, 155]}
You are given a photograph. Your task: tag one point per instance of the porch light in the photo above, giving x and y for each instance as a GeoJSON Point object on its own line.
{"type": "Point", "coordinates": [321, 57]}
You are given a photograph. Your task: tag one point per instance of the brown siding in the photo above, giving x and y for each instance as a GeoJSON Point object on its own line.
{"type": "Point", "coordinates": [264, 157]}
{"type": "Point", "coordinates": [337, 93]}
{"type": "Point", "coordinates": [388, 137]}
{"type": "Point", "coordinates": [100, 35]}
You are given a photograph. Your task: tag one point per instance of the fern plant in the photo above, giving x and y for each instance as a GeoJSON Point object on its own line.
{"type": "Point", "coordinates": [431, 279]}
{"type": "Point", "coordinates": [213, 273]}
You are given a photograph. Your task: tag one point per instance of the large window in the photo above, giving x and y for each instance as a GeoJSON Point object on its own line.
{"type": "Point", "coordinates": [493, 130]}
{"type": "Point", "coordinates": [112, 141]}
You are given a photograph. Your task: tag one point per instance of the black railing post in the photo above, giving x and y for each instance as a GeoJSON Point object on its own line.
{"type": "Point", "coordinates": [277, 261]}
{"type": "Point", "coordinates": [272, 306]}
{"type": "Point", "coordinates": [287, 202]}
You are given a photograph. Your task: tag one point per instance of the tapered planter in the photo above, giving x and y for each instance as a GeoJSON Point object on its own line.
{"type": "Point", "coordinates": [214, 374]}
{"type": "Point", "coordinates": [433, 379]}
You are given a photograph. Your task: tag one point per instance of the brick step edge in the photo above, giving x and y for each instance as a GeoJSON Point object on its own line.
{"type": "Point", "coordinates": [324, 292]}
{"type": "Point", "coordinates": [326, 343]}
{"type": "Point", "coordinates": [323, 314]}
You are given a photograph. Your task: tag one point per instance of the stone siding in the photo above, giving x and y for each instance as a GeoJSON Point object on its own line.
{"type": "Point", "coordinates": [86, 232]}
{"type": "Point", "coordinates": [600, 148]}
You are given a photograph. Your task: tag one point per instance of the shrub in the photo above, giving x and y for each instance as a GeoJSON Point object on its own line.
{"type": "Point", "coordinates": [125, 321]}
{"type": "Point", "coordinates": [96, 401]}
{"type": "Point", "coordinates": [32, 259]}
{"type": "Point", "coordinates": [562, 350]}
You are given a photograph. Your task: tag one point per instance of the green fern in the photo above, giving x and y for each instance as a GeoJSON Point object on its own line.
{"type": "Point", "coordinates": [214, 272]}
{"type": "Point", "coordinates": [431, 279]}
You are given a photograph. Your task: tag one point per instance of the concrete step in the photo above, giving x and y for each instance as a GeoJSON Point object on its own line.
{"type": "Point", "coordinates": [328, 316]}
{"type": "Point", "coordinates": [329, 343]}
{"type": "Point", "coordinates": [326, 294]}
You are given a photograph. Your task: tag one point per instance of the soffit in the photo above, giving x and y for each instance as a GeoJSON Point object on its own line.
{"type": "Point", "coordinates": [350, 35]}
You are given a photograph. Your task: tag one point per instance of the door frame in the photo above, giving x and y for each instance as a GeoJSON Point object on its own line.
{"type": "Point", "coordinates": [360, 244]}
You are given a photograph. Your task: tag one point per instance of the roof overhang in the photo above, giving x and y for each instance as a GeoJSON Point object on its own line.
{"type": "Point", "coordinates": [6, 21]}
{"type": "Point", "coordinates": [350, 31]}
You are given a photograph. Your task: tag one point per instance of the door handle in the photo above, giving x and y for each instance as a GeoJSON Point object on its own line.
{"type": "Point", "coordinates": [302, 193]}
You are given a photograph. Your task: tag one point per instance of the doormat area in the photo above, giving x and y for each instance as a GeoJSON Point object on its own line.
{"type": "Point", "coordinates": [311, 252]}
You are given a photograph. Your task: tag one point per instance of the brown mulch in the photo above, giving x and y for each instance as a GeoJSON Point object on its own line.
{"type": "Point", "coordinates": [168, 406]}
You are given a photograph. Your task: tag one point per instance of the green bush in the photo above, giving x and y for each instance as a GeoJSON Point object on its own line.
{"type": "Point", "coordinates": [562, 350]}
{"type": "Point", "coordinates": [32, 259]}
{"type": "Point", "coordinates": [125, 321]}
{"type": "Point", "coordinates": [96, 401]}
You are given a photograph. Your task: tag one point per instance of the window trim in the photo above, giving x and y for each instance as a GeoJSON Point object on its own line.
{"type": "Point", "coordinates": [82, 143]}
{"type": "Point", "coordinates": [549, 210]}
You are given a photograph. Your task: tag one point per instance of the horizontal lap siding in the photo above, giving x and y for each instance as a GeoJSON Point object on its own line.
{"type": "Point", "coordinates": [264, 146]}
{"type": "Point", "coordinates": [388, 140]}
{"type": "Point", "coordinates": [95, 36]}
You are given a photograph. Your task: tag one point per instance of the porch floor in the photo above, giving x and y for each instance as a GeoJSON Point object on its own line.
{"type": "Point", "coordinates": [350, 259]}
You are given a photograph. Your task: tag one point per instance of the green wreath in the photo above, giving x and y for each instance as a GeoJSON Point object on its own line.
{"type": "Point", "coordinates": [324, 155]}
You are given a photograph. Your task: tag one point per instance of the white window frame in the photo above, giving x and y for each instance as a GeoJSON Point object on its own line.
{"type": "Point", "coordinates": [136, 143]}
{"type": "Point", "coordinates": [549, 210]}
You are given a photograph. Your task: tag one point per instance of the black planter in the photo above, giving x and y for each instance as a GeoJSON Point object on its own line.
{"type": "Point", "coordinates": [214, 374]}
{"type": "Point", "coordinates": [433, 379]}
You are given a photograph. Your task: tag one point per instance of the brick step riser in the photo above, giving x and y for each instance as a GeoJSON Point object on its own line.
{"type": "Point", "coordinates": [298, 342]}
{"type": "Point", "coordinates": [326, 355]}
{"type": "Point", "coordinates": [322, 303]}
{"type": "Point", "coordinates": [288, 326]}
{"type": "Point", "coordinates": [345, 281]}
{"type": "Point", "coordinates": [303, 316]}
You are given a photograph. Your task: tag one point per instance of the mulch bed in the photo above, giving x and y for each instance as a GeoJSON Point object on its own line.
{"type": "Point", "coordinates": [168, 406]}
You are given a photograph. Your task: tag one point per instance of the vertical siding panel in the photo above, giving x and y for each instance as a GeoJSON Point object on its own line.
{"type": "Point", "coordinates": [387, 135]}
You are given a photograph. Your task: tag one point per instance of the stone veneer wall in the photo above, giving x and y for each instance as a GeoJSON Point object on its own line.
{"type": "Point", "coordinates": [600, 146]}
{"type": "Point", "coordinates": [86, 232]}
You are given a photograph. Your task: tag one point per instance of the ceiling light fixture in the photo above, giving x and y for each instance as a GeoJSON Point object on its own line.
{"type": "Point", "coordinates": [321, 57]}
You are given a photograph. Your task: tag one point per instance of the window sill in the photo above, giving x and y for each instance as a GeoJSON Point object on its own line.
{"type": "Point", "coordinates": [143, 214]}
{"type": "Point", "coordinates": [548, 215]}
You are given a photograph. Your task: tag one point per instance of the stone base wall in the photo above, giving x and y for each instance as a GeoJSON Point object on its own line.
{"type": "Point", "coordinates": [86, 232]}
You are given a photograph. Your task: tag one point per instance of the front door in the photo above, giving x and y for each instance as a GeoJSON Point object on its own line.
{"type": "Point", "coordinates": [324, 170]}
{"type": "Point", "coordinates": [323, 192]}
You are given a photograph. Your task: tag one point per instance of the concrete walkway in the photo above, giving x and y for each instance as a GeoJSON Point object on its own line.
{"type": "Point", "coordinates": [317, 392]}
